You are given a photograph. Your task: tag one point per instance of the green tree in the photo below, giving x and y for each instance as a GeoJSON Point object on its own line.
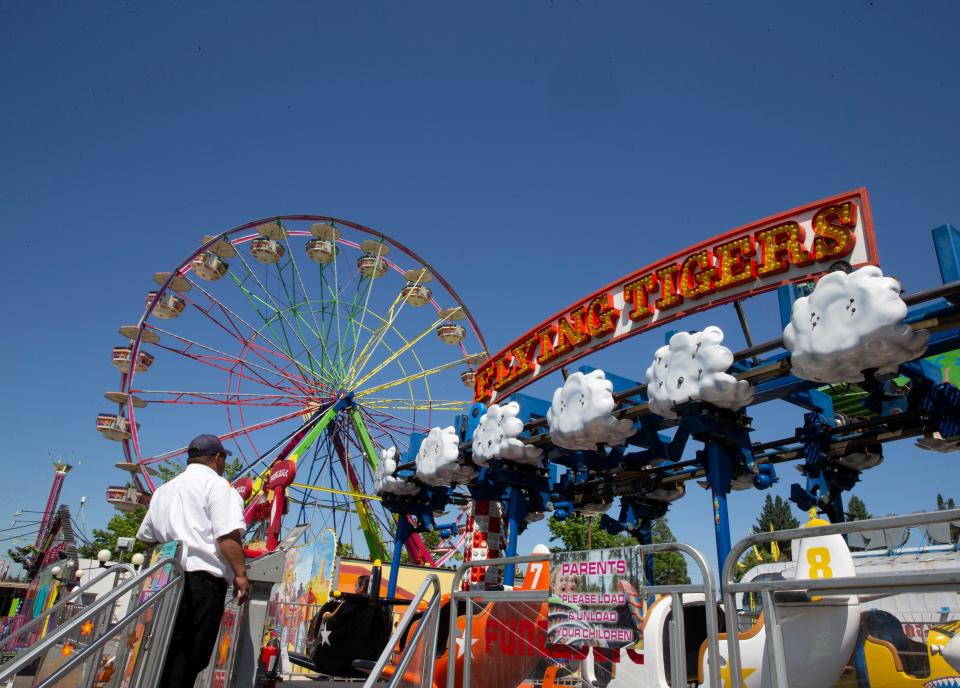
{"type": "Point", "coordinates": [857, 510]}
{"type": "Point", "coordinates": [345, 550]}
{"type": "Point", "coordinates": [776, 515]}
{"type": "Point", "coordinates": [669, 568]}
{"type": "Point", "coordinates": [122, 525]}
{"type": "Point", "coordinates": [168, 470]}
{"type": "Point", "coordinates": [22, 555]}
{"type": "Point", "coordinates": [944, 505]}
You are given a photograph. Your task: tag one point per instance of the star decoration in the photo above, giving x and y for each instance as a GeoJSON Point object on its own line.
{"type": "Point", "coordinates": [87, 628]}
{"type": "Point", "coordinates": [67, 649]}
{"type": "Point", "coordinates": [324, 635]}
{"type": "Point", "coordinates": [460, 644]}
{"type": "Point", "coordinates": [725, 675]}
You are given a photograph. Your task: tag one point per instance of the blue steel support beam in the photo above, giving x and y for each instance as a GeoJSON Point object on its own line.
{"type": "Point", "coordinates": [946, 242]}
{"type": "Point", "coordinates": [404, 531]}
{"type": "Point", "coordinates": [515, 516]}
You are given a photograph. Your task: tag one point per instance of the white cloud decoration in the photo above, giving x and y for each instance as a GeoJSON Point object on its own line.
{"type": "Point", "coordinates": [581, 415]}
{"type": "Point", "coordinates": [384, 480]}
{"type": "Point", "coordinates": [693, 367]}
{"type": "Point", "coordinates": [496, 437]}
{"type": "Point", "coordinates": [850, 323]}
{"type": "Point", "coordinates": [437, 459]}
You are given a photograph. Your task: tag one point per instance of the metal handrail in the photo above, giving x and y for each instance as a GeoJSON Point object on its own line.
{"type": "Point", "coordinates": [846, 585]}
{"type": "Point", "coordinates": [79, 590]}
{"type": "Point", "coordinates": [119, 626]}
{"type": "Point", "coordinates": [431, 581]}
{"type": "Point", "coordinates": [708, 589]}
{"type": "Point", "coordinates": [29, 655]}
{"type": "Point", "coordinates": [431, 615]}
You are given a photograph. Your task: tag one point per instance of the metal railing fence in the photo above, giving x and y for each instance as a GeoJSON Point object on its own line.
{"type": "Point", "coordinates": [927, 581]}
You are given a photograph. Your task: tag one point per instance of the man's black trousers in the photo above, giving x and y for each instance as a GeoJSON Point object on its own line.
{"type": "Point", "coordinates": [195, 630]}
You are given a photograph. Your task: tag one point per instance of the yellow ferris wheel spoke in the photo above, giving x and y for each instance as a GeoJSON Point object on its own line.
{"type": "Point", "coordinates": [332, 490]}
{"type": "Point", "coordinates": [393, 356]}
{"type": "Point", "coordinates": [416, 404]}
{"type": "Point", "coordinates": [416, 376]}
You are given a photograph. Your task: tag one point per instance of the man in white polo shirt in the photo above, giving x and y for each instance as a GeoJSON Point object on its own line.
{"type": "Point", "coordinates": [202, 510]}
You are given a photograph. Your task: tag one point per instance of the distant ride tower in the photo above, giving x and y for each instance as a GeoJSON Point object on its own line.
{"type": "Point", "coordinates": [60, 470]}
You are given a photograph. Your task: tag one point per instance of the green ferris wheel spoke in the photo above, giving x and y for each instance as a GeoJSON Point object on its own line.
{"type": "Point", "coordinates": [371, 530]}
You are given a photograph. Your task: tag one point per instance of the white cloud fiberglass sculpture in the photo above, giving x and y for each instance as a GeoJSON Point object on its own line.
{"type": "Point", "coordinates": [496, 437]}
{"type": "Point", "coordinates": [437, 459]}
{"type": "Point", "coordinates": [693, 367]}
{"type": "Point", "coordinates": [851, 323]}
{"type": "Point", "coordinates": [581, 415]}
{"type": "Point", "coordinates": [385, 481]}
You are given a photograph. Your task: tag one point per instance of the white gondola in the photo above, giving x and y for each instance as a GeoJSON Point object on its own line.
{"type": "Point", "coordinates": [123, 355]}
{"type": "Point", "coordinates": [416, 294]}
{"type": "Point", "coordinates": [222, 247]}
{"type": "Point", "coordinates": [130, 332]}
{"type": "Point", "coordinates": [113, 427]}
{"type": "Point", "coordinates": [209, 266]}
{"type": "Point", "coordinates": [324, 230]}
{"type": "Point", "coordinates": [272, 230]}
{"type": "Point", "coordinates": [452, 313]}
{"type": "Point", "coordinates": [168, 306]}
{"type": "Point", "coordinates": [267, 250]}
{"type": "Point", "coordinates": [127, 499]}
{"type": "Point", "coordinates": [374, 247]}
{"type": "Point", "coordinates": [451, 334]}
{"type": "Point", "coordinates": [177, 282]}
{"type": "Point", "coordinates": [468, 378]}
{"type": "Point", "coordinates": [122, 397]}
{"type": "Point", "coordinates": [371, 266]}
{"type": "Point", "coordinates": [322, 251]}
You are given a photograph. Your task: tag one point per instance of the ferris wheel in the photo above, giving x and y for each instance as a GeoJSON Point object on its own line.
{"type": "Point", "coordinates": [298, 339]}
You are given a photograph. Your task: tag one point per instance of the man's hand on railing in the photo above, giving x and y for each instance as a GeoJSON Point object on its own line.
{"type": "Point", "coordinates": [241, 589]}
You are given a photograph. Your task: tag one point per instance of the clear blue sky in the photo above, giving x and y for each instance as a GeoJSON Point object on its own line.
{"type": "Point", "coordinates": [531, 152]}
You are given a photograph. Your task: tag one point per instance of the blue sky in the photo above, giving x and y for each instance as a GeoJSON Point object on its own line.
{"type": "Point", "coordinates": [531, 153]}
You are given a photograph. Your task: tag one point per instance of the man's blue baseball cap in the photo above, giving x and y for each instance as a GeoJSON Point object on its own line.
{"type": "Point", "coordinates": [206, 445]}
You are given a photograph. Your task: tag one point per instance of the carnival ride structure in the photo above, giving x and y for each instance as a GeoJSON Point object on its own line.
{"type": "Point", "coordinates": [850, 336]}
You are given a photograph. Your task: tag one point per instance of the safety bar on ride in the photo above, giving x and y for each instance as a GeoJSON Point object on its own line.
{"type": "Point", "coordinates": [847, 585]}
{"type": "Point", "coordinates": [105, 602]}
{"type": "Point", "coordinates": [431, 581]}
{"type": "Point", "coordinates": [73, 594]}
{"type": "Point", "coordinates": [708, 589]}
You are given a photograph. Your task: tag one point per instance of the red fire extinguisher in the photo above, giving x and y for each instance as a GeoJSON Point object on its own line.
{"type": "Point", "coordinates": [269, 660]}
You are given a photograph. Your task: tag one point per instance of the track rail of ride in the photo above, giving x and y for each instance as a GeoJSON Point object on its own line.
{"type": "Point", "coordinates": [870, 431]}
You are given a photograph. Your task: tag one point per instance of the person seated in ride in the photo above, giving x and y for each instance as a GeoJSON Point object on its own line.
{"type": "Point", "coordinates": [354, 628]}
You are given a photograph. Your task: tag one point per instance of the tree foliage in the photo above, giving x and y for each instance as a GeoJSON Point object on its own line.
{"type": "Point", "coordinates": [944, 505]}
{"type": "Point", "coordinates": [122, 525]}
{"type": "Point", "coordinates": [23, 555]}
{"type": "Point", "coordinates": [857, 510]}
{"type": "Point", "coordinates": [776, 514]}
{"type": "Point", "coordinates": [669, 568]}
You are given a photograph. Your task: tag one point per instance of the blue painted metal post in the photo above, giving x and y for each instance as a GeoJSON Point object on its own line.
{"type": "Point", "coordinates": [718, 473]}
{"type": "Point", "coordinates": [404, 531]}
{"type": "Point", "coordinates": [946, 241]}
{"type": "Point", "coordinates": [514, 516]}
